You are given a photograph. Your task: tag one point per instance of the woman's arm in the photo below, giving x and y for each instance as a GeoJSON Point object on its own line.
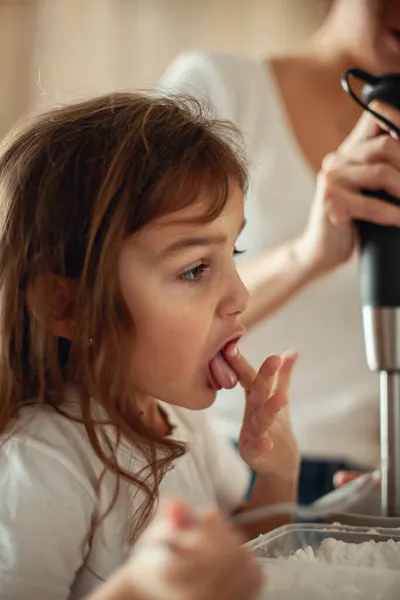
{"type": "Point", "coordinates": [365, 160]}
{"type": "Point", "coordinates": [273, 278]}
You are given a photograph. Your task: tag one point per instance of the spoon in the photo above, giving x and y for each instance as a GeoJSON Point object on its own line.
{"type": "Point", "coordinates": [337, 501]}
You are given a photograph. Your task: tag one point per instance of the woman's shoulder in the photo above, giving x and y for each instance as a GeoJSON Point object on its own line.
{"type": "Point", "coordinates": [213, 64]}
{"type": "Point", "coordinates": [223, 79]}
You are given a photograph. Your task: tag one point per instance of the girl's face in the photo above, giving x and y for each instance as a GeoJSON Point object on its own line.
{"type": "Point", "coordinates": [373, 28]}
{"type": "Point", "coordinates": [180, 283]}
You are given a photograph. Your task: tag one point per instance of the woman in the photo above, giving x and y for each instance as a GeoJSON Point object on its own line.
{"type": "Point", "coordinates": [293, 113]}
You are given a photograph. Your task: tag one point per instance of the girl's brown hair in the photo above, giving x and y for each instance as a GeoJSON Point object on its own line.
{"type": "Point", "coordinates": [73, 186]}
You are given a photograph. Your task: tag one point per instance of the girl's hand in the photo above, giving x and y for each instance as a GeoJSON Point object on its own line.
{"type": "Point", "coordinates": [184, 557]}
{"type": "Point", "coordinates": [365, 161]}
{"type": "Point", "coordinates": [266, 442]}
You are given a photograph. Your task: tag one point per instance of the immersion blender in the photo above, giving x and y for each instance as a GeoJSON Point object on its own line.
{"type": "Point", "coordinates": [379, 283]}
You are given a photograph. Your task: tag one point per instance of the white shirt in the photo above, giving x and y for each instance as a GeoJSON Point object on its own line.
{"type": "Point", "coordinates": [335, 400]}
{"type": "Point", "coordinates": [48, 477]}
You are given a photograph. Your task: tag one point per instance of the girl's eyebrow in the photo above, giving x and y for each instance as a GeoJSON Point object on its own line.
{"type": "Point", "coordinates": [191, 241]}
{"type": "Point", "coordinates": [195, 240]}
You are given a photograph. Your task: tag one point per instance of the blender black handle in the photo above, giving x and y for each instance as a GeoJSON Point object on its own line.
{"type": "Point", "coordinates": [379, 263]}
{"type": "Point", "coordinates": [379, 268]}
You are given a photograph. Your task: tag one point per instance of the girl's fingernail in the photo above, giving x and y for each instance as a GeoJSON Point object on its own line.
{"type": "Point", "coordinates": [232, 350]}
{"type": "Point", "coordinates": [291, 353]}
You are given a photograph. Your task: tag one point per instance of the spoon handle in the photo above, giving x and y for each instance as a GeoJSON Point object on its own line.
{"type": "Point", "coordinates": [334, 502]}
{"type": "Point", "coordinates": [272, 510]}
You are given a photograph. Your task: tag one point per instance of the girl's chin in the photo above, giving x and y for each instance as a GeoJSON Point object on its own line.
{"type": "Point", "coordinates": [202, 399]}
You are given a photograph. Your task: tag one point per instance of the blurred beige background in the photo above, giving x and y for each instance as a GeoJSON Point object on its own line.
{"type": "Point", "coordinates": [54, 50]}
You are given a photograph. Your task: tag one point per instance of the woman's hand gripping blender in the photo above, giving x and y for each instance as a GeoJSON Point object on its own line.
{"type": "Point", "coordinates": [266, 441]}
{"type": "Point", "coordinates": [376, 159]}
{"type": "Point", "coordinates": [365, 161]}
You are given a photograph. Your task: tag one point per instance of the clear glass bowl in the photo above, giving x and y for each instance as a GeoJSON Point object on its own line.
{"type": "Point", "coordinates": [303, 580]}
{"type": "Point", "coordinates": [286, 540]}
{"type": "Point", "coordinates": [366, 513]}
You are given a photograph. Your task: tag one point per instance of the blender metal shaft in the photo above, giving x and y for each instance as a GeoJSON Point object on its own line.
{"type": "Point", "coordinates": [390, 443]}
{"type": "Point", "coordinates": [382, 344]}
{"type": "Point", "coordinates": [380, 295]}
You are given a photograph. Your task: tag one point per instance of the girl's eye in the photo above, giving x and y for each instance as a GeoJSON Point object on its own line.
{"type": "Point", "coordinates": [195, 273]}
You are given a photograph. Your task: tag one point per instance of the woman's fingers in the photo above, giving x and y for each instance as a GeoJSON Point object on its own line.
{"type": "Point", "coordinates": [344, 201]}
{"type": "Point", "coordinates": [372, 177]}
{"type": "Point", "coordinates": [388, 112]}
{"type": "Point", "coordinates": [369, 127]}
{"type": "Point", "coordinates": [348, 206]}
{"type": "Point", "coordinates": [382, 149]}
{"type": "Point", "coordinates": [369, 161]}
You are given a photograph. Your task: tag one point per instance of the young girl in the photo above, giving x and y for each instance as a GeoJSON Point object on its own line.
{"type": "Point", "coordinates": [120, 311]}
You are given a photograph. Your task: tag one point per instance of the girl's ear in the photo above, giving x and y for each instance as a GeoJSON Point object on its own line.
{"type": "Point", "coordinates": [51, 299]}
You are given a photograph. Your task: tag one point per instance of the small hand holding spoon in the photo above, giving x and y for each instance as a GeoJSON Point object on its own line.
{"type": "Point", "coordinates": [340, 500]}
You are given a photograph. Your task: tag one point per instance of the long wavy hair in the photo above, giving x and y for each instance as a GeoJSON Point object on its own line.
{"type": "Point", "coordinates": [74, 184]}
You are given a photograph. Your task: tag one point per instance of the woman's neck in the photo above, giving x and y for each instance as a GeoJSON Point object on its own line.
{"type": "Point", "coordinates": [309, 82]}
{"type": "Point", "coordinates": [323, 60]}
{"type": "Point", "coordinates": [328, 53]}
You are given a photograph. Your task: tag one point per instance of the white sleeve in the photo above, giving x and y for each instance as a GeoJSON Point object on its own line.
{"type": "Point", "coordinates": [231, 476]}
{"type": "Point", "coordinates": [45, 514]}
{"type": "Point", "coordinates": [201, 75]}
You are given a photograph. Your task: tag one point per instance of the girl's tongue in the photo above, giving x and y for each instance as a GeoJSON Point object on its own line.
{"type": "Point", "coordinates": [222, 375]}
